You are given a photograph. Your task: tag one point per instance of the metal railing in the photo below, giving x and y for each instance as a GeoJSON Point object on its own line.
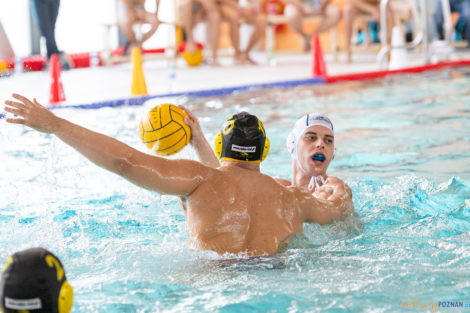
{"type": "Point", "coordinates": [420, 21]}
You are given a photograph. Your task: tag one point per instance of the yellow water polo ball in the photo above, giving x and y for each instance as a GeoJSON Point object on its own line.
{"type": "Point", "coordinates": [163, 129]}
{"type": "Point", "coordinates": [193, 59]}
{"type": "Point", "coordinates": [3, 66]}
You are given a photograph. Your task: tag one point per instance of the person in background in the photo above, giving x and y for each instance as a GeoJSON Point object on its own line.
{"type": "Point", "coordinates": [462, 7]}
{"type": "Point", "coordinates": [192, 12]}
{"type": "Point", "coordinates": [295, 10]}
{"type": "Point", "coordinates": [232, 12]}
{"type": "Point", "coordinates": [33, 280]}
{"type": "Point", "coordinates": [311, 145]}
{"type": "Point", "coordinates": [131, 12]}
{"type": "Point", "coordinates": [355, 7]}
{"type": "Point", "coordinates": [45, 13]}
{"type": "Point", "coordinates": [230, 209]}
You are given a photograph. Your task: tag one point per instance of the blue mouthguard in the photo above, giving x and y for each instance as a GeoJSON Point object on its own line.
{"type": "Point", "coordinates": [319, 157]}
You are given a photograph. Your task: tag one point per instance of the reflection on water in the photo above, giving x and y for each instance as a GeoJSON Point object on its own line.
{"type": "Point", "coordinates": [402, 146]}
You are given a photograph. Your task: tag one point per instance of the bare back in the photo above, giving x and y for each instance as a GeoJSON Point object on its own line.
{"type": "Point", "coordinates": [238, 210]}
{"type": "Point", "coordinates": [231, 209]}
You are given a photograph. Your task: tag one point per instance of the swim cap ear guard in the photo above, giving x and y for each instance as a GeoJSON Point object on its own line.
{"type": "Point", "coordinates": [243, 138]}
{"type": "Point", "coordinates": [65, 298]}
{"type": "Point", "coordinates": [34, 280]}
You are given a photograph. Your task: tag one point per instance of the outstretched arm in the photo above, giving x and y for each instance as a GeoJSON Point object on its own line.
{"type": "Point", "coordinates": [180, 177]}
{"type": "Point", "coordinates": [324, 211]}
{"type": "Point", "coordinates": [199, 142]}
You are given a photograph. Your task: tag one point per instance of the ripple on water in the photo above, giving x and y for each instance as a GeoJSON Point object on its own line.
{"type": "Point", "coordinates": [403, 148]}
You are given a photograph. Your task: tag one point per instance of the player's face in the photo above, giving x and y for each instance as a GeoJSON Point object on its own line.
{"type": "Point", "coordinates": [315, 150]}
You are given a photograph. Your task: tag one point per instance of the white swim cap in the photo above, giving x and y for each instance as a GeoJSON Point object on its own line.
{"type": "Point", "coordinates": [311, 119]}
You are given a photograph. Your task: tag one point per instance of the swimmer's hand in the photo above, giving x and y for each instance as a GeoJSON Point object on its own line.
{"type": "Point", "coordinates": [337, 191]}
{"type": "Point", "coordinates": [324, 192]}
{"type": "Point", "coordinates": [32, 114]}
{"type": "Point", "coordinates": [197, 136]}
{"type": "Point", "coordinates": [198, 141]}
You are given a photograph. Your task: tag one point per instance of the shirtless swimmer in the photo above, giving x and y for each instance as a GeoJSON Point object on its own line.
{"type": "Point", "coordinates": [230, 209]}
{"type": "Point", "coordinates": [311, 144]}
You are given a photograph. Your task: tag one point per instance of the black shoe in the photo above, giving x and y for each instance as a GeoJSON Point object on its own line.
{"type": "Point", "coordinates": [65, 62]}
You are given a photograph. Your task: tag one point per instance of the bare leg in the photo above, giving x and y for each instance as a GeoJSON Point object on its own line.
{"type": "Point", "coordinates": [230, 13]}
{"type": "Point", "coordinates": [390, 21]}
{"type": "Point", "coordinates": [148, 18]}
{"type": "Point", "coordinates": [364, 28]}
{"type": "Point", "coordinates": [212, 17]}
{"type": "Point", "coordinates": [259, 21]}
{"type": "Point", "coordinates": [349, 13]}
{"type": "Point", "coordinates": [330, 19]}
{"type": "Point", "coordinates": [368, 38]}
{"type": "Point", "coordinates": [190, 15]}
{"type": "Point", "coordinates": [294, 19]}
{"type": "Point", "coordinates": [187, 20]}
{"type": "Point", "coordinates": [126, 21]}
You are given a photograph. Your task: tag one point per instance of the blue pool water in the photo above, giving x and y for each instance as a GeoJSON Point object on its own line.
{"type": "Point", "coordinates": [403, 146]}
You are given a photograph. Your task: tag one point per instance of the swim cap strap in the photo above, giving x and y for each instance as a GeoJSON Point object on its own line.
{"type": "Point", "coordinates": [314, 182]}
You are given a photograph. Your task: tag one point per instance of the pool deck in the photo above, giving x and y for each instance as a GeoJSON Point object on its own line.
{"type": "Point", "coordinates": [83, 86]}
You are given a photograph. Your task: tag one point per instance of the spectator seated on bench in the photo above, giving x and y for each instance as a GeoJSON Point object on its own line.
{"type": "Point", "coordinates": [462, 27]}
{"type": "Point", "coordinates": [355, 8]}
{"type": "Point", "coordinates": [252, 15]}
{"type": "Point", "coordinates": [132, 12]}
{"type": "Point", "coordinates": [295, 10]}
{"type": "Point", "coordinates": [192, 12]}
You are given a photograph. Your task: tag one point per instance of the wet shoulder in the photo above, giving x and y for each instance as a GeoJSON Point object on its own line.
{"type": "Point", "coordinates": [246, 177]}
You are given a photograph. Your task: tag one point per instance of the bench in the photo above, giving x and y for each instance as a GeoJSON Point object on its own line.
{"type": "Point", "coordinates": [147, 54]}
{"type": "Point", "coordinates": [274, 20]}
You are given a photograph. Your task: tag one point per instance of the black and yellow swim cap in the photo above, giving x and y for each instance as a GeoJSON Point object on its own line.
{"type": "Point", "coordinates": [34, 280]}
{"type": "Point", "coordinates": [242, 138]}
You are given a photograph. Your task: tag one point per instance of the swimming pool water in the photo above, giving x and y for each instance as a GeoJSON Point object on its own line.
{"type": "Point", "coordinates": [402, 146]}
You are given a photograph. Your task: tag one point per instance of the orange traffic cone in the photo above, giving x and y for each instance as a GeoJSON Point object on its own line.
{"type": "Point", "coordinates": [57, 94]}
{"type": "Point", "coordinates": [318, 63]}
{"type": "Point", "coordinates": [138, 87]}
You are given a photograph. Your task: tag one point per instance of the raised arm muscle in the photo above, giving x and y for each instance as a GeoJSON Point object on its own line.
{"type": "Point", "coordinates": [179, 177]}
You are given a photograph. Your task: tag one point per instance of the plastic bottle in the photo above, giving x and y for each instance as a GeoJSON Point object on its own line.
{"type": "Point", "coordinates": [170, 54]}
{"type": "Point", "coordinates": [18, 65]}
{"type": "Point", "coordinates": [172, 74]}
{"type": "Point", "coordinates": [94, 59]}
